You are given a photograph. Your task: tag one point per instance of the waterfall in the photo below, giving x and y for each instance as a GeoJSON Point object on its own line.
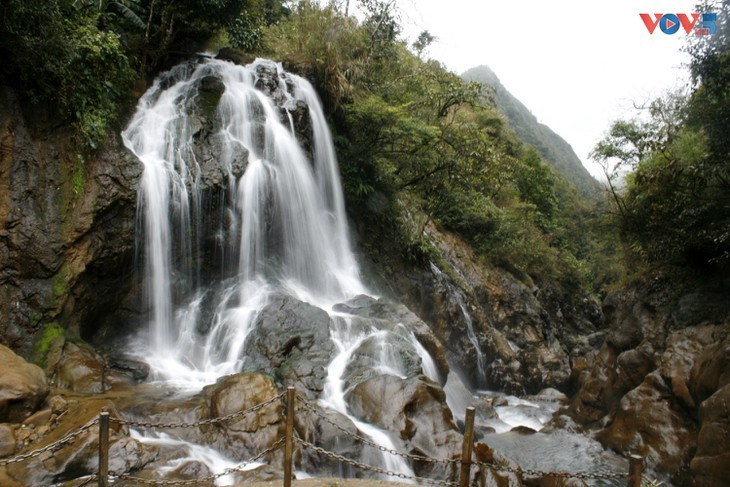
{"type": "Point", "coordinates": [285, 227]}
{"type": "Point", "coordinates": [277, 217]}
{"type": "Point", "coordinates": [470, 333]}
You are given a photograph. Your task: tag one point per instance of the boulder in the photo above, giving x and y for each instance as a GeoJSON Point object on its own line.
{"type": "Point", "coordinates": [79, 457]}
{"type": "Point", "coordinates": [416, 411]}
{"type": "Point", "coordinates": [651, 421]}
{"type": "Point", "coordinates": [7, 440]}
{"type": "Point", "coordinates": [23, 387]}
{"type": "Point", "coordinates": [290, 340]}
{"type": "Point", "coordinates": [332, 431]}
{"type": "Point", "coordinates": [385, 314]}
{"type": "Point", "coordinates": [248, 435]}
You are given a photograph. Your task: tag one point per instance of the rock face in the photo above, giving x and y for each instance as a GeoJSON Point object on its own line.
{"type": "Point", "coordinates": [658, 384]}
{"type": "Point", "coordinates": [66, 227]}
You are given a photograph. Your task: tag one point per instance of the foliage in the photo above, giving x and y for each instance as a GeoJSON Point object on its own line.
{"type": "Point", "coordinates": [246, 32]}
{"type": "Point", "coordinates": [79, 57]}
{"type": "Point", "coordinates": [329, 44]}
{"type": "Point", "coordinates": [59, 53]}
{"type": "Point", "coordinates": [555, 151]}
{"type": "Point", "coordinates": [673, 207]}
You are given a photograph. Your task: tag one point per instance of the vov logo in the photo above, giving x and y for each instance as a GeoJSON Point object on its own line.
{"type": "Point", "coordinates": [671, 23]}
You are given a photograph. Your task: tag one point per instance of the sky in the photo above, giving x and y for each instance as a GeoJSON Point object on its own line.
{"type": "Point", "coordinates": [576, 64]}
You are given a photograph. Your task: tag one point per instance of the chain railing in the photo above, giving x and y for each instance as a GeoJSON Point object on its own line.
{"type": "Point", "coordinates": [365, 441]}
{"type": "Point", "coordinates": [51, 446]}
{"type": "Point", "coordinates": [371, 468]}
{"type": "Point", "coordinates": [464, 463]}
{"type": "Point", "coordinates": [202, 480]}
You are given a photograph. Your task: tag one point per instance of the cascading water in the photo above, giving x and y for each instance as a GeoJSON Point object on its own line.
{"type": "Point", "coordinates": [287, 224]}
{"type": "Point", "coordinates": [280, 224]}
{"type": "Point", "coordinates": [470, 333]}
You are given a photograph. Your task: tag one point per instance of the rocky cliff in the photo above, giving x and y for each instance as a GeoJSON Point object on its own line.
{"type": "Point", "coordinates": [659, 385]}
{"type": "Point", "coordinates": [66, 227]}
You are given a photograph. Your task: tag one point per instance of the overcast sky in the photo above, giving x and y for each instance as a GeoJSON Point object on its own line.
{"type": "Point", "coordinates": [576, 64]}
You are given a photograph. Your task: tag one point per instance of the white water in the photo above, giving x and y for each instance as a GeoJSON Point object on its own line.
{"type": "Point", "coordinates": [289, 217]}
{"type": "Point", "coordinates": [470, 333]}
{"type": "Point", "coordinates": [286, 230]}
{"type": "Point", "coordinates": [216, 463]}
{"type": "Point", "coordinates": [348, 335]}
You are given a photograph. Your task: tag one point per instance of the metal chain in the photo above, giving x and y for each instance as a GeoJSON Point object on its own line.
{"type": "Point", "coordinates": [204, 422]}
{"type": "Point", "coordinates": [52, 446]}
{"type": "Point", "coordinates": [539, 473]}
{"type": "Point", "coordinates": [208, 479]}
{"type": "Point", "coordinates": [90, 479]}
{"type": "Point", "coordinates": [367, 442]}
{"type": "Point", "coordinates": [371, 468]}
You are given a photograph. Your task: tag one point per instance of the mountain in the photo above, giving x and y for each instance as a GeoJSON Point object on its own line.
{"type": "Point", "coordinates": [553, 148]}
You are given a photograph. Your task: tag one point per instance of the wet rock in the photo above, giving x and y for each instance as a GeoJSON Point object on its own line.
{"type": "Point", "coordinates": [711, 371]}
{"type": "Point", "coordinates": [382, 350]}
{"type": "Point", "coordinates": [23, 387]}
{"type": "Point", "coordinates": [39, 418]}
{"type": "Point", "coordinates": [135, 371]}
{"type": "Point", "coordinates": [250, 434]}
{"type": "Point", "coordinates": [416, 410]}
{"type": "Point", "coordinates": [388, 315]}
{"type": "Point", "coordinates": [332, 431]}
{"type": "Point", "coordinates": [290, 340]}
{"type": "Point", "coordinates": [550, 395]}
{"type": "Point", "coordinates": [651, 422]}
{"type": "Point", "coordinates": [553, 482]}
{"type": "Point", "coordinates": [61, 254]}
{"type": "Point", "coordinates": [58, 405]}
{"type": "Point", "coordinates": [236, 56]}
{"type": "Point", "coordinates": [79, 369]}
{"type": "Point", "coordinates": [485, 410]}
{"type": "Point", "coordinates": [79, 457]}
{"type": "Point", "coordinates": [523, 430]}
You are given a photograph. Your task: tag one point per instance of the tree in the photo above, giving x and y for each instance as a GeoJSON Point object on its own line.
{"type": "Point", "coordinates": [424, 40]}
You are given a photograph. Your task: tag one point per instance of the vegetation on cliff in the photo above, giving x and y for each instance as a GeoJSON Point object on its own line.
{"type": "Point", "coordinates": [418, 144]}
{"type": "Point", "coordinates": [673, 159]}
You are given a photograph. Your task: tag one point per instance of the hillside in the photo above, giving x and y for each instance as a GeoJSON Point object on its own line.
{"type": "Point", "coordinates": [553, 148]}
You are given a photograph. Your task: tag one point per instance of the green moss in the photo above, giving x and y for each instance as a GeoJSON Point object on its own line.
{"type": "Point", "coordinates": [78, 177]}
{"type": "Point", "coordinates": [43, 340]}
{"type": "Point", "coordinates": [60, 285]}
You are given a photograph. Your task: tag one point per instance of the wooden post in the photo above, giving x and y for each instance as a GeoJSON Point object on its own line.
{"type": "Point", "coordinates": [104, 449]}
{"type": "Point", "coordinates": [289, 443]}
{"type": "Point", "coordinates": [636, 469]}
{"type": "Point", "coordinates": [466, 447]}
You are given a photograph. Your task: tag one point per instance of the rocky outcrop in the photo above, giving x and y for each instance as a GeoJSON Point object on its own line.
{"type": "Point", "coordinates": [417, 411]}
{"type": "Point", "coordinates": [77, 458]}
{"type": "Point", "coordinates": [657, 386]}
